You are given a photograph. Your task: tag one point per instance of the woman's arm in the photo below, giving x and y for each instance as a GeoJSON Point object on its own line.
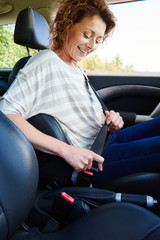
{"type": "Point", "coordinates": [79, 158]}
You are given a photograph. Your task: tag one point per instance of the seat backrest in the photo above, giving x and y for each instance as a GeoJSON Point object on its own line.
{"type": "Point", "coordinates": [18, 177]}
{"type": "Point", "coordinates": [32, 31]}
{"type": "Point", "coordinates": [49, 125]}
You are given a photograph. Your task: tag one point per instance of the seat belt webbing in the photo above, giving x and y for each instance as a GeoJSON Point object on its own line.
{"type": "Point", "coordinates": [103, 137]}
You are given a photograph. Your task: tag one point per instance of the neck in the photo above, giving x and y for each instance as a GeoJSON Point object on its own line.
{"type": "Point", "coordinates": [66, 58]}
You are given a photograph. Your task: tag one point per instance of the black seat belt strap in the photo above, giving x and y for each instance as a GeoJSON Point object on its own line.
{"type": "Point", "coordinates": [103, 137]}
{"type": "Point", "coordinates": [100, 100]}
{"type": "Point", "coordinates": [100, 143]}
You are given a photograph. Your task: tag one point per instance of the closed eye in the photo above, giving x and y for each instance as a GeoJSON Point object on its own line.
{"type": "Point", "coordinates": [99, 41]}
{"type": "Point", "coordinates": [86, 35]}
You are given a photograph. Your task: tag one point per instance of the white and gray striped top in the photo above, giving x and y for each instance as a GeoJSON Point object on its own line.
{"type": "Point", "coordinates": [48, 85]}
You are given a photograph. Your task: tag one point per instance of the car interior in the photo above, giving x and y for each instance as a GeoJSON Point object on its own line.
{"type": "Point", "coordinates": [18, 186]}
{"type": "Point", "coordinates": [19, 173]}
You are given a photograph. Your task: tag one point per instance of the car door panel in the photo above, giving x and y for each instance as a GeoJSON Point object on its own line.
{"type": "Point", "coordinates": [135, 97]}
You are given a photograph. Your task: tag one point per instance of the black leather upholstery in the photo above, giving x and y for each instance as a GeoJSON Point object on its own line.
{"type": "Point", "coordinates": [31, 29]}
{"type": "Point", "coordinates": [20, 64]}
{"type": "Point", "coordinates": [49, 125]}
{"type": "Point", "coordinates": [138, 183]}
{"type": "Point", "coordinates": [3, 87]}
{"type": "Point", "coordinates": [112, 221]}
{"type": "Point", "coordinates": [18, 177]}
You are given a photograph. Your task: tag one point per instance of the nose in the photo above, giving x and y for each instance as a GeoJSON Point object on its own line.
{"type": "Point", "coordinates": [92, 45]}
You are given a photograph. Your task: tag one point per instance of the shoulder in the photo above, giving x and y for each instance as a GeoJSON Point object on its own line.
{"type": "Point", "coordinates": [42, 57]}
{"type": "Point", "coordinates": [39, 64]}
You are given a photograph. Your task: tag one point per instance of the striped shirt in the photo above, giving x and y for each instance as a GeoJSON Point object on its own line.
{"type": "Point", "coordinates": [48, 85]}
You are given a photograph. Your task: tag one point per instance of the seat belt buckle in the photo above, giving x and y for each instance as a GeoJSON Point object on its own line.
{"type": "Point", "coordinates": [94, 168]}
{"type": "Point", "coordinates": [84, 178]}
{"type": "Point", "coordinates": [62, 207]}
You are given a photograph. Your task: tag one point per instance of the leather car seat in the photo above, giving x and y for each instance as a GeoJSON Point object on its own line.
{"type": "Point", "coordinates": [18, 177]}
{"type": "Point", "coordinates": [32, 30]}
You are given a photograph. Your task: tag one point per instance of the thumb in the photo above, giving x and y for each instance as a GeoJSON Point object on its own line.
{"type": "Point", "coordinates": [107, 113]}
{"type": "Point", "coordinates": [107, 116]}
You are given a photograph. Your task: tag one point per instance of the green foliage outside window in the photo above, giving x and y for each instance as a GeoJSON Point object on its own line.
{"type": "Point", "coordinates": [94, 63]}
{"type": "Point", "coordinates": [10, 52]}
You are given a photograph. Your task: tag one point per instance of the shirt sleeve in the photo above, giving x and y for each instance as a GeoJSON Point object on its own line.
{"type": "Point", "coordinates": [21, 95]}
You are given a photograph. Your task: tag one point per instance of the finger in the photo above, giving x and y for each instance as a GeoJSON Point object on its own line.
{"type": "Point", "coordinates": [100, 166]}
{"type": "Point", "coordinates": [85, 168]}
{"type": "Point", "coordinates": [99, 159]}
{"type": "Point", "coordinates": [112, 116]}
{"type": "Point", "coordinates": [117, 122]}
{"type": "Point", "coordinates": [115, 119]}
{"type": "Point", "coordinates": [107, 117]}
{"type": "Point", "coordinates": [121, 124]}
{"type": "Point", "coordinates": [82, 166]}
{"type": "Point", "coordinates": [77, 169]}
{"type": "Point", "coordinates": [112, 112]}
{"type": "Point", "coordinates": [107, 113]}
{"type": "Point", "coordinates": [90, 163]}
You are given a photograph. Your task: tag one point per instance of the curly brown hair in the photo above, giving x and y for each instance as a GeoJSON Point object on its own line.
{"type": "Point", "coordinates": [71, 12]}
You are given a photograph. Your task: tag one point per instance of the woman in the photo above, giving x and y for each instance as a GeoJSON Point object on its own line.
{"type": "Point", "coordinates": [57, 87]}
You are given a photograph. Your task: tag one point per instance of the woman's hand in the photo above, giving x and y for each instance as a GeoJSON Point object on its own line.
{"type": "Point", "coordinates": [81, 159]}
{"type": "Point", "coordinates": [114, 121]}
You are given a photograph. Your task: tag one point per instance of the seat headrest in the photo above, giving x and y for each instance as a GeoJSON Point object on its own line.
{"type": "Point", "coordinates": [31, 29]}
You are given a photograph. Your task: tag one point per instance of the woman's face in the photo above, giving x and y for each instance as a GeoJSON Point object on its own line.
{"type": "Point", "coordinates": [83, 38]}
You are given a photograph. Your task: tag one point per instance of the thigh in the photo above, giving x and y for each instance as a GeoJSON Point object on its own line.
{"type": "Point", "coordinates": [143, 130]}
{"type": "Point", "coordinates": [131, 157]}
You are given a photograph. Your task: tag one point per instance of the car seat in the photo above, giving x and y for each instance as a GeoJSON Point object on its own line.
{"type": "Point", "coordinates": [3, 87]}
{"type": "Point", "coordinates": [18, 186]}
{"type": "Point", "coordinates": [32, 30]}
{"type": "Point", "coordinates": [18, 177]}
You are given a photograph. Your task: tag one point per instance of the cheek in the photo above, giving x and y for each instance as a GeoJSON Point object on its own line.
{"type": "Point", "coordinates": [74, 39]}
{"type": "Point", "coordinates": [73, 44]}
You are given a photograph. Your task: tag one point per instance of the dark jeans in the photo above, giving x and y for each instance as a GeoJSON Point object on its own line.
{"type": "Point", "coordinates": [131, 150]}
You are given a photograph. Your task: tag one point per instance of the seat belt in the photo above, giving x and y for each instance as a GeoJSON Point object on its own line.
{"type": "Point", "coordinates": [101, 141]}
{"type": "Point", "coordinates": [103, 137]}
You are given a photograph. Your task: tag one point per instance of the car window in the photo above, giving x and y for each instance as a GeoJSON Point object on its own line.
{"type": "Point", "coordinates": [133, 46]}
{"type": "Point", "coordinates": [10, 52]}
{"type": "Point", "coordinates": [135, 42]}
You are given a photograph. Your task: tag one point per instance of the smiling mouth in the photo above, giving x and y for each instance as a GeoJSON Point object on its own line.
{"type": "Point", "coordinates": [83, 51]}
